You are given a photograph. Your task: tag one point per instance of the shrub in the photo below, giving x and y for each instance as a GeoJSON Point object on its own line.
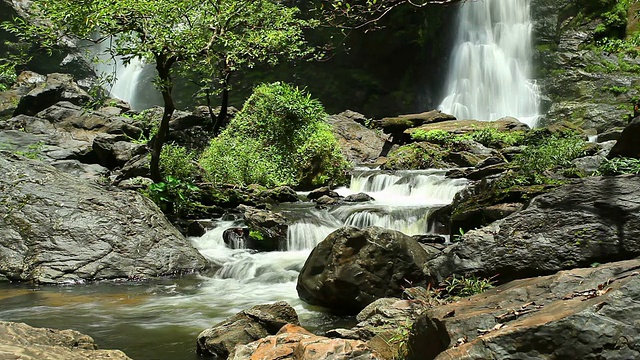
{"type": "Point", "coordinates": [173, 196]}
{"type": "Point", "coordinates": [465, 286]}
{"type": "Point", "coordinates": [494, 138]}
{"type": "Point", "coordinates": [7, 74]}
{"type": "Point", "coordinates": [280, 137]}
{"type": "Point", "coordinates": [437, 136]}
{"type": "Point", "coordinates": [179, 163]}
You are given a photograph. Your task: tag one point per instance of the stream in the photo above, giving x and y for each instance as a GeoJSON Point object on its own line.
{"type": "Point", "coordinates": [160, 319]}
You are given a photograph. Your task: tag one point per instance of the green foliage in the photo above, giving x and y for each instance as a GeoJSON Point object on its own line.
{"type": "Point", "coordinates": [421, 155]}
{"type": "Point", "coordinates": [279, 138]}
{"type": "Point", "coordinates": [173, 196]}
{"type": "Point", "coordinates": [465, 286]}
{"type": "Point", "coordinates": [543, 154]}
{"type": "Point", "coordinates": [256, 235]}
{"type": "Point", "coordinates": [619, 166]}
{"type": "Point", "coordinates": [179, 163]}
{"type": "Point", "coordinates": [488, 136]}
{"type": "Point", "coordinates": [34, 151]}
{"type": "Point", "coordinates": [7, 74]}
{"type": "Point", "coordinates": [441, 137]}
{"type": "Point", "coordinates": [617, 90]}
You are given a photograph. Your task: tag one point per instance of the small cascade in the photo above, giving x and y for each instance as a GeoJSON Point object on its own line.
{"type": "Point", "coordinates": [490, 70]}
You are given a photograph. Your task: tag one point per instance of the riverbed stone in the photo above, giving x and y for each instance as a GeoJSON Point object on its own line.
{"type": "Point", "coordinates": [21, 341]}
{"type": "Point", "coordinates": [244, 327]}
{"type": "Point", "coordinates": [58, 228]}
{"type": "Point", "coordinates": [359, 144]}
{"type": "Point", "coordinates": [590, 220]}
{"type": "Point", "coordinates": [267, 229]}
{"type": "Point", "coordinates": [293, 342]}
{"type": "Point", "coordinates": [585, 313]}
{"type": "Point", "coordinates": [353, 267]}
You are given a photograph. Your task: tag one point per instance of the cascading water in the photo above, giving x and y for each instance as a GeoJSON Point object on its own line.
{"type": "Point", "coordinates": [490, 70]}
{"type": "Point", "coordinates": [131, 82]}
{"type": "Point", "coordinates": [161, 320]}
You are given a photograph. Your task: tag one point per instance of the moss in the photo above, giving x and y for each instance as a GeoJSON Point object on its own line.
{"type": "Point", "coordinates": [421, 155]}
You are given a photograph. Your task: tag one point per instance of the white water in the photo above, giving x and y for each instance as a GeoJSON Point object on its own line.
{"type": "Point", "coordinates": [132, 82]}
{"type": "Point", "coordinates": [490, 70]}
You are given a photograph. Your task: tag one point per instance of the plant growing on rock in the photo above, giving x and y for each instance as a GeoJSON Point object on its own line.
{"type": "Point", "coordinates": [619, 166]}
{"type": "Point", "coordinates": [280, 137]}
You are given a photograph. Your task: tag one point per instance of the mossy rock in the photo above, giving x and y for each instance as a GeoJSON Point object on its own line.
{"type": "Point", "coordinates": [417, 156]}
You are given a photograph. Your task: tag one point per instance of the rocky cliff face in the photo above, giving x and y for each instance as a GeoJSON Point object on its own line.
{"type": "Point", "coordinates": [581, 82]}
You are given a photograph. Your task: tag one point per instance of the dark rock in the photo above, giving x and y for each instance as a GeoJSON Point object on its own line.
{"type": "Point", "coordinates": [429, 239]}
{"type": "Point", "coordinates": [397, 125]}
{"type": "Point", "coordinates": [359, 197]}
{"type": "Point", "coordinates": [280, 194]}
{"type": "Point", "coordinates": [138, 166]}
{"type": "Point", "coordinates": [21, 341]}
{"type": "Point", "coordinates": [628, 145]}
{"type": "Point", "coordinates": [359, 144]}
{"type": "Point", "coordinates": [322, 191]}
{"type": "Point", "coordinates": [326, 200]}
{"type": "Point", "coordinates": [590, 220]}
{"type": "Point", "coordinates": [500, 211]}
{"type": "Point", "coordinates": [58, 87]}
{"type": "Point", "coordinates": [611, 134]}
{"type": "Point", "coordinates": [245, 327]}
{"type": "Point", "coordinates": [115, 151]}
{"type": "Point", "coordinates": [353, 267]}
{"type": "Point", "coordinates": [268, 230]}
{"type": "Point", "coordinates": [486, 171]}
{"type": "Point", "coordinates": [492, 160]}
{"type": "Point", "coordinates": [236, 238]}
{"type": "Point", "coordinates": [196, 228]}
{"type": "Point", "coordinates": [59, 228]}
{"type": "Point", "coordinates": [593, 309]}
{"type": "Point", "coordinates": [588, 164]}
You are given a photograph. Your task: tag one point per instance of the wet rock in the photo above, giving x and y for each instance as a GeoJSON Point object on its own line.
{"type": "Point", "coordinates": [58, 228]}
{"type": "Point", "coordinates": [627, 145]}
{"type": "Point", "coordinates": [429, 239]}
{"type": "Point", "coordinates": [589, 220]}
{"type": "Point", "coordinates": [293, 342]}
{"type": "Point", "coordinates": [359, 144]}
{"type": "Point", "coordinates": [326, 200]}
{"type": "Point", "coordinates": [322, 191]}
{"type": "Point", "coordinates": [353, 267]}
{"type": "Point", "coordinates": [595, 310]}
{"type": "Point", "coordinates": [58, 87]}
{"type": "Point", "coordinates": [236, 238]}
{"type": "Point", "coordinates": [280, 194]}
{"type": "Point", "coordinates": [267, 230]}
{"type": "Point", "coordinates": [246, 326]}
{"type": "Point", "coordinates": [21, 341]}
{"type": "Point", "coordinates": [359, 197]}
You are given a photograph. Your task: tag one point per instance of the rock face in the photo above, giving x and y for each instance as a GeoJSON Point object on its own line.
{"type": "Point", "coordinates": [353, 267]}
{"type": "Point", "coordinates": [590, 313]}
{"type": "Point", "coordinates": [295, 343]}
{"type": "Point", "coordinates": [21, 341]}
{"type": "Point", "coordinates": [590, 88]}
{"type": "Point", "coordinates": [590, 220]}
{"type": "Point", "coordinates": [57, 228]}
{"type": "Point", "coordinates": [359, 144]}
{"type": "Point", "coordinates": [246, 326]}
{"type": "Point", "coordinates": [57, 87]}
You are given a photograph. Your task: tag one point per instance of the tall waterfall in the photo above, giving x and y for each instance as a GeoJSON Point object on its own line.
{"type": "Point", "coordinates": [490, 70]}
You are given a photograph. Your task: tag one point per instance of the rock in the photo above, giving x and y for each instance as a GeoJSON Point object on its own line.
{"type": "Point", "coordinates": [21, 341]}
{"type": "Point", "coordinates": [500, 211]}
{"type": "Point", "coordinates": [268, 230]}
{"type": "Point", "coordinates": [114, 151]}
{"type": "Point", "coordinates": [353, 267]}
{"type": "Point", "coordinates": [359, 144]}
{"type": "Point", "coordinates": [58, 228]}
{"type": "Point", "coordinates": [466, 126]}
{"type": "Point", "coordinates": [236, 238]}
{"type": "Point", "coordinates": [244, 327]}
{"type": "Point", "coordinates": [138, 166]}
{"type": "Point", "coordinates": [429, 239]}
{"type": "Point", "coordinates": [322, 191]}
{"type": "Point", "coordinates": [326, 200]}
{"type": "Point", "coordinates": [359, 197]}
{"type": "Point", "coordinates": [417, 156]}
{"type": "Point", "coordinates": [293, 342]}
{"type": "Point", "coordinates": [627, 145]}
{"type": "Point", "coordinates": [58, 87]}
{"type": "Point", "coordinates": [397, 125]}
{"type": "Point", "coordinates": [588, 164]}
{"type": "Point", "coordinates": [611, 134]}
{"type": "Point", "coordinates": [596, 310]}
{"type": "Point", "coordinates": [280, 194]}
{"type": "Point", "coordinates": [589, 220]}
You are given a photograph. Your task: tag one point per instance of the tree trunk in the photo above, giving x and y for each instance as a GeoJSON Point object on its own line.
{"type": "Point", "coordinates": [163, 65]}
{"type": "Point", "coordinates": [224, 106]}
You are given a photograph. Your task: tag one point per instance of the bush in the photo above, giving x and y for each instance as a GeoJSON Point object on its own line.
{"type": "Point", "coordinates": [280, 137]}
{"type": "Point", "coordinates": [179, 163]}
{"type": "Point", "coordinates": [7, 74]}
{"type": "Point", "coordinates": [494, 138]}
{"type": "Point", "coordinates": [438, 136]}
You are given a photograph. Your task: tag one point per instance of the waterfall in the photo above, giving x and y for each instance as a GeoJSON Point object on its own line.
{"type": "Point", "coordinates": [490, 69]}
{"type": "Point", "coordinates": [133, 82]}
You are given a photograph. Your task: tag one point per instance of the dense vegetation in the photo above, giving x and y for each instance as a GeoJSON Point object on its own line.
{"type": "Point", "coordinates": [279, 138]}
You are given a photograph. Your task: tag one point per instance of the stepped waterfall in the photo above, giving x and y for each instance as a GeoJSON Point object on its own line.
{"type": "Point", "coordinates": [490, 68]}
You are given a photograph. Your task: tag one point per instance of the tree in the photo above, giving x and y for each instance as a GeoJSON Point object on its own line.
{"type": "Point", "coordinates": [211, 37]}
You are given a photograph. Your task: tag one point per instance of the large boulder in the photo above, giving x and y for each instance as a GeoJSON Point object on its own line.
{"type": "Point", "coordinates": [244, 327]}
{"type": "Point", "coordinates": [359, 144]}
{"type": "Point", "coordinates": [466, 126]}
{"type": "Point", "coordinates": [628, 145]}
{"type": "Point", "coordinates": [591, 220]}
{"type": "Point", "coordinates": [57, 87]}
{"type": "Point", "coordinates": [21, 341]}
{"type": "Point", "coordinates": [295, 343]}
{"type": "Point", "coordinates": [353, 267]}
{"type": "Point", "coordinates": [588, 313]}
{"type": "Point", "coordinates": [267, 230]}
{"type": "Point", "coordinates": [57, 228]}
